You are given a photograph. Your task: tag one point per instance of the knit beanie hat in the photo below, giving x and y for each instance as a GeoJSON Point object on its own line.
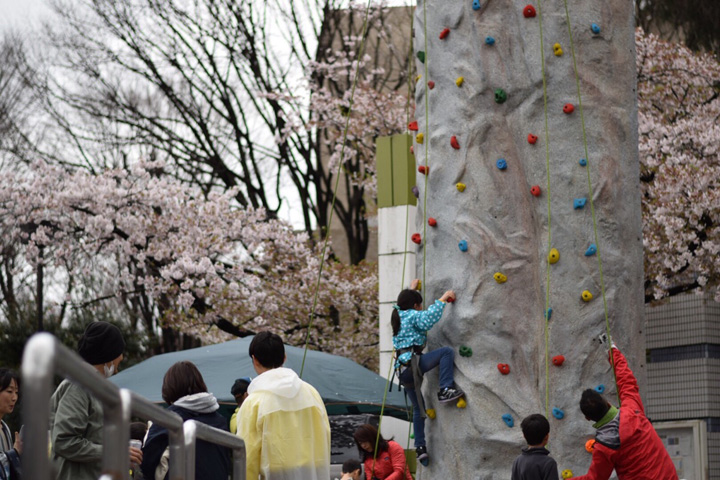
{"type": "Point", "coordinates": [102, 342]}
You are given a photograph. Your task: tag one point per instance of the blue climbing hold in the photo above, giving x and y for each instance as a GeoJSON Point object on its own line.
{"type": "Point", "coordinates": [595, 28]}
{"type": "Point", "coordinates": [501, 164]}
{"type": "Point", "coordinates": [548, 314]}
{"type": "Point", "coordinates": [476, 4]}
{"type": "Point", "coordinates": [579, 203]}
{"type": "Point", "coordinates": [583, 162]}
{"type": "Point", "coordinates": [600, 389]}
{"type": "Point", "coordinates": [557, 413]}
{"type": "Point", "coordinates": [416, 191]}
{"type": "Point", "coordinates": [489, 41]}
{"type": "Point", "coordinates": [591, 250]}
{"type": "Point", "coordinates": [507, 418]}
{"type": "Point", "coordinates": [463, 246]}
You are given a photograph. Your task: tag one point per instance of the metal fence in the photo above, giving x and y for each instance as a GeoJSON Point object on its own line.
{"type": "Point", "coordinates": [45, 357]}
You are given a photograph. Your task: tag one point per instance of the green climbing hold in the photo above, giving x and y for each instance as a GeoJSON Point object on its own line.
{"type": "Point", "coordinates": [500, 95]}
{"type": "Point", "coordinates": [412, 435]}
{"type": "Point", "coordinates": [465, 351]}
{"type": "Point", "coordinates": [421, 56]}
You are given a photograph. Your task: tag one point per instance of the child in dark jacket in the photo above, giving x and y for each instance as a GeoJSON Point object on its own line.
{"type": "Point", "coordinates": [185, 391]}
{"type": "Point", "coordinates": [535, 463]}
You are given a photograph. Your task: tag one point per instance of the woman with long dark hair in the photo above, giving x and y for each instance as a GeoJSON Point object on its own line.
{"type": "Point", "coordinates": [382, 459]}
{"type": "Point", "coordinates": [10, 449]}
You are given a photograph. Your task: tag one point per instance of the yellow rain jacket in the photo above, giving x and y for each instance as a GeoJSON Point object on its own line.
{"type": "Point", "coordinates": [285, 427]}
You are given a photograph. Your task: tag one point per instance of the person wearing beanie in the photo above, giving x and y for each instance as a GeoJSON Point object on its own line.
{"type": "Point", "coordinates": [76, 417]}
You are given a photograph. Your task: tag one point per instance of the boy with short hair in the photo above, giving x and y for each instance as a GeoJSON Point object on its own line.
{"type": "Point", "coordinates": [351, 470]}
{"type": "Point", "coordinates": [535, 462]}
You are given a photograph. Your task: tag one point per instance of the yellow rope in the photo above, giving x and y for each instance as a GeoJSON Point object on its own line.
{"type": "Point", "coordinates": [549, 245]}
{"type": "Point", "coordinates": [361, 51]}
{"type": "Point", "coordinates": [590, 196]}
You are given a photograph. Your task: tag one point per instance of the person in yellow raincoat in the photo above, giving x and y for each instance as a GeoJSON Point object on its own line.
{"type": "Point", "coordinates": [283, 421]}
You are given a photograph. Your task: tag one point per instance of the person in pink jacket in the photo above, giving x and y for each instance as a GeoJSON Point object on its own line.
{"type": "Point", "coordinates": [387, 461]}
{"type": "Point", "coordinates": [625, 439]}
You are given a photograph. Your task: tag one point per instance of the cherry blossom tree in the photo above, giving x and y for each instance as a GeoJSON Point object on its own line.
{"type": "Point", "coordinates": [209, 268]}
{"type": "Point", "coordinates": [679, 118]}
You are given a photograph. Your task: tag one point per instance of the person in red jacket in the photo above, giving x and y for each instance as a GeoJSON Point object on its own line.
{"type": "Point", "coordinates": [625, 439]}
{"type": "Point", "coordinates": [387, 461]}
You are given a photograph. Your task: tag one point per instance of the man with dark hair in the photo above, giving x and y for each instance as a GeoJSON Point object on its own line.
{"type": "Point", "coordinates": [351, 469]}
{"type": "Point", "coordinates": [534, 463]}
{"type": "Point", "coordinates": [625, 439]}
{"type": "Point", "coordinates": [283, 421]}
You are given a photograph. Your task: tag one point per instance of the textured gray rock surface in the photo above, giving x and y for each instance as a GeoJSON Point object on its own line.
{"type": "Point", "coordinates": [507, 228]}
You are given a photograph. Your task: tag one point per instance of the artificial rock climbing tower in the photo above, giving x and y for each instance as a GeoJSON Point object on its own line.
{"type": "Point", "coordinates": [529, 208]}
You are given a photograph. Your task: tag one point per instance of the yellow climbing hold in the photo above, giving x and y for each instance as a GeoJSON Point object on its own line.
{"type": "Point", "coordinates": [558, 50]}
{"type": "Point", "coordinates": [459, 81]}
{"type": "Point", "coordinates": [567, 473]}
{"type": "Point", "coordinates": [500, 278]}
{"type": "Point", "coordinates": [419, 138]}
{"type": "Point", "coordinates": [460, 187]}
{"type": "Point", "coordinates": [417, 79]}
{"type": "Point", "coordinates": [461, 403]}
{"type": "Point", "coordinates": [419, 285]}
{"type": "Point", "coordinates": [586, 295]}
{"type": "Point", "coordinates": [553, 256]}
{"type": "Point", "coordinates": [430, 412]}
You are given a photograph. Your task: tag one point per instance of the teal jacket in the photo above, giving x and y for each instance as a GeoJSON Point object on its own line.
{"type": "Point", "coordinates": [76, 430]}
{"type": "Point", "coordinates": [414, 325]}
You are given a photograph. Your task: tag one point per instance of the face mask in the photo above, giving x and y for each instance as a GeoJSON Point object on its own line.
{"type": "Point", "coordinates": [109, 371]}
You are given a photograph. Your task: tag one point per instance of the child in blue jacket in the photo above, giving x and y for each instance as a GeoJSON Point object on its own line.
{"type": "Point", "coordinates": [410, 324]}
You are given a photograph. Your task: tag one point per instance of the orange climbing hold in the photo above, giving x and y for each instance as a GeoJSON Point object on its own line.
{"type": "Point", "coordinates": [444, 33]}
{"type": "Point", "coordinates": [532, 139]}
{"type": "Point", "coordinates": [416, 238]}
{"type": "Point", "coordinates": [535, 191]}
{"type": "Point", "coordinates": [529, 11]}
{"type": "Point", "coordinates": [590, 445]}
{"type": "Point", "coordinates": [454, 143]}
{"type": "Point", "coordinates": [432, 222]}
{"type": "Point", "coordinates": [413, 126]}
{"type": "Point", "coordinates": [558, 360]}
{"type": "Point", "coordinates": [423, 169]}
{"type": "Point", "coordinates": [504, 368]}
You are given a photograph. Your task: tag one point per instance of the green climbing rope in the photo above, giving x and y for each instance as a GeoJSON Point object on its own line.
{"type": "Point", "coordinates": [549, 219]}
{"type": "Point", "coordinates": [590, 195]}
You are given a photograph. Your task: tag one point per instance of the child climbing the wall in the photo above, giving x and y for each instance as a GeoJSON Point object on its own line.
{"type": "Point", "coordinates": [410, 324]}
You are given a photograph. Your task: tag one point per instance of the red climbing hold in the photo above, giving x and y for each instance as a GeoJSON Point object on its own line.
{"type": "Point", "coordinates": [432, 222]}
{"type": "Point", "coordinates": [454, 143]}
{"type": "Point", "coordinates": [529, 11]}
{"type": "Point", "coordinates": [535, 190]}
{"type": "Point", "coordinates": [431, 84]}
{"type": "Point", "coordinates": [451, 300]}
{"type": "Point", "coordinates": [504, 368]}
{"type": "Point", "coordinates": [532, 139]}
{"type": "Point", "coordinates": [444, 33]}
{"type": "Point", "coordinates": [413, 126]}
{"type": "Point", "coordinates": [568, 108]}
{"type": "Point", "coordinates": [558, 360]}
{"type": "Point", "coordinates": [412, 150]}
{"type": "Point", "coordinates": [416, 238]}
{"type": "Point", "coordinates": [423, 169]}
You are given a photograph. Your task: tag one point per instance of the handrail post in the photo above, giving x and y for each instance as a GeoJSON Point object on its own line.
{"type": "Point", "coordinates": [116, 437]}
{"type": "Point", "coordinates": [38, 367]}
{"type": "Point", "coordinates": [190, 433]}
{"type": "Point", "coordinates": [239, 464]}
{"type": "Point", "coordinates": [177, 454]}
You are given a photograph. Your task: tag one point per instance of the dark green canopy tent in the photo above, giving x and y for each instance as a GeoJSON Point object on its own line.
{"type": "Point", "coordinates": [345, 386]}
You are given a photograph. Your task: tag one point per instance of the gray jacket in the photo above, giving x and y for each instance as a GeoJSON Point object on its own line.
{"type": "Point", "coordinates": [76, 426]}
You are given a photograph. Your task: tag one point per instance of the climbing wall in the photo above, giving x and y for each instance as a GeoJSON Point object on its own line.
{"type": "Point", "coordinates": [529, 208]}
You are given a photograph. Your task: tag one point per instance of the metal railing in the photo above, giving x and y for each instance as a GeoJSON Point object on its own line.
{"type": "Point", "coordinates": [45, 357]}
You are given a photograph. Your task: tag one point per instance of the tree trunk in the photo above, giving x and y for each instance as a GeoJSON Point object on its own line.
{"type": "Point", "coordinates": [507, 228]}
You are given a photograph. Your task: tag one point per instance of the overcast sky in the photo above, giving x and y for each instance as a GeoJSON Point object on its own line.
{"type": "Point", "coordinates": [20, 14]}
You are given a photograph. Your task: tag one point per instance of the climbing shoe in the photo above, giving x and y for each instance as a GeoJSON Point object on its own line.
{"type": "Point", "coordinates": [449, 394]}
{"type": "Point", "coordinates": [422, 456]}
